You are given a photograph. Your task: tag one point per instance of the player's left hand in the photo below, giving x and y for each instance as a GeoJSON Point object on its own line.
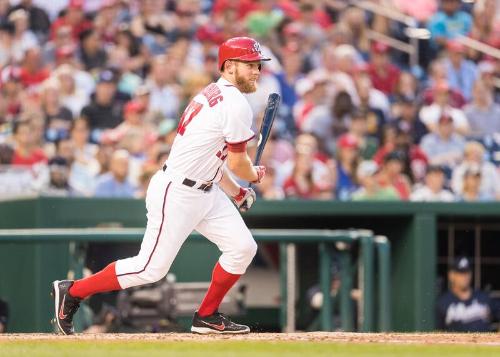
{"type": "Point", "coordinates": [244, 199]}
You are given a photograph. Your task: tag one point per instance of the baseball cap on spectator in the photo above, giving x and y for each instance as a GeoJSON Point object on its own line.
{"type": "Point", "coordinates": [76, 4]}
{"type": "Point", "coordinates": [461, 265]}
{"type": "Point", "coordinates": [455, 46]}
{"type": "Point", "coordinates": [106, 76]}
{"type": "Point", "coordinates": [367, 168]}
{"type": "Point", "coordinates": [134, 106]}
{"type": "Point", "coordinates": [395, 156]}
{"type": "Point", "coordinates": [380, 48]}
{"type": "Point", "coordinates": [347, 141]}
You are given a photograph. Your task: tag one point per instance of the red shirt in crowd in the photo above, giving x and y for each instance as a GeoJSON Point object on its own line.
{"type": "Point", "coordinates": [385, 82]}
{"type": "Point", "coordinates": [35, 157]}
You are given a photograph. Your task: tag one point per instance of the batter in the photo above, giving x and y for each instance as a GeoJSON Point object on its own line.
{"type": "Point", "coordinates": [194, 191]}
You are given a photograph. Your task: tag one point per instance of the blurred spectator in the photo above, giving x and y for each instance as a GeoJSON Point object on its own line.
{"type": "Point", "coordinates": [6, 43]}
{"type": "Point", "coordinates": [4, 316]}
{"type": "Point", "coordinates": [322, 167]}
{"type": "Point", "coordinates": [470, 185]}
{"type": "Point", "coordinates": [461, 308]}
{"type": "Point", "coordinates": [431, 114]}
{"type": "Point", "coordinates": [23, 38]}
{"type": "Point", "coordinates": [395, 139]}
{"type": "Point", "coordinates": [39, 21]}
{"type": "Point", "coordinates": [488, 74]}
{"type": "Point", "coordinates": [383, 74]}
{"type": "Point", "coordinates": [105, 109]}
{"type": "Point", "coordinates": [461, 73]}
{"type": "Point", "coordinates": [59, 173]}
{"type": "Point", "coordinates": [11, 93]}
{"type": "Point", "coordinates": [483, 114]}
{"type": "Point", "coordinates": [71, 96]}
{"type": "Point", "coordinates": [445, 146]}
{"type": "Point", "coordinates": [474, 153]}
{"type": "Point", "coordinates": [348, 158]}
{"type": "Point", "coordinates": [33, 72]}
{"type": "Point", "coordinates": [165, 93]}
{"type": "Point", "coordinates": [353, 21]}
{"type": "Point", "coordinates": [91, 53]}
{"type": "Point", "coordinates": [312, 114]}
{"type": "Point", "coordinates": [74, 17]}
{"type": "Point", "coordinates": [370, 190]}
{"type": "Point", "coordinates": [391, 175]}
{"type": "Point", "coordinates": [407, 86]}
{"type": "Point", "coordinates": [57, 118]}
{"type": "Point", "coordinates": [267, 189]}
{"type": "Point", "coordinates": [433, 189]}
{"type": "Point", "coordinates": [300, 183]}
{"type": "Point", "coordinates": [485, 27]}
{"type": "Point", "coordinates": [407, 120]}
{"type": "Point", "coordinates": [449, 22]}
{"type": "Point", "coordinates": [439, 74]}
{"type": "Point", "coordinates": [358, 127]}
{"type": "Point", "coordinates": [115, 183]}
{"type": "Point", "coordinates": [85, 167]}
{"type": "Point", "coordinates": [373, 102]}
{"type": "Point", "coordinates": [26, 152]}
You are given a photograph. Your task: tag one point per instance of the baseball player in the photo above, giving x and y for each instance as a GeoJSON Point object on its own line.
{"type": "Point", "coordinates": [194, 191]}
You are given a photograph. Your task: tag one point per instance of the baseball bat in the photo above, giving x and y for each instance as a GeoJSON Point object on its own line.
{"type": "Point", "coordinates": [273, 103]}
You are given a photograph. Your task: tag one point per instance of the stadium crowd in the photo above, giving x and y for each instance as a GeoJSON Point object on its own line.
{"type": "Point", "coordinates": [92, 91]}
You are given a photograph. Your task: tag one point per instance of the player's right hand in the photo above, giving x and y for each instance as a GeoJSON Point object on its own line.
{"type": "Point", "coordinates": [261, 172]}
{"type": "Point", "coordinates": [244, 199]}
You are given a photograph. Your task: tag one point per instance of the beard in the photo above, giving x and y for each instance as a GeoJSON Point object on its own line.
{"type": "Point", "coordinates": [245, 86]}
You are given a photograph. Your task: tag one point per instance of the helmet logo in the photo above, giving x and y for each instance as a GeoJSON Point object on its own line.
{"type": "Point", "coordinates": [256, 47]}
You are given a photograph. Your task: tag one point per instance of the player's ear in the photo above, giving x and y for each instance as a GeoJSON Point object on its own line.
{"type": "Point", "coordinates": [229, 66]}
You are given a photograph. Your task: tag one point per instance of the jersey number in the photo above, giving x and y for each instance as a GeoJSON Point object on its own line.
{"type": "Point", "coordinates": [191, 111]}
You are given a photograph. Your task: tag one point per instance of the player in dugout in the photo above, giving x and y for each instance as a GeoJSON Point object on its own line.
{"type": "Point", "coordinates": [194, 191]}
{"type": "Point", "coordinates": [463, 309]}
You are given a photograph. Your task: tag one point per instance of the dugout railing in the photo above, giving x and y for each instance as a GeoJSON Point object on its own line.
{"type": "Point", "coordinates": [373, 259]}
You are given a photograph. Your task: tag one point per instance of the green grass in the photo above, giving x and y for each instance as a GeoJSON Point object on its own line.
{"type": "Point", "coordinates": [231, 348]}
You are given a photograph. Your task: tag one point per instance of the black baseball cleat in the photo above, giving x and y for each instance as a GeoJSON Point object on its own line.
{"type": "Point", "coordinates": [217, 323]}
{"type": "Point", "coordinates": [65, 306]}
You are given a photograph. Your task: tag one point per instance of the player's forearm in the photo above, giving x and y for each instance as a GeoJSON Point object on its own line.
{"type": "Point", "coordinates": [243, 168]}
{"type": "Point", "coordinates": [228, 184]}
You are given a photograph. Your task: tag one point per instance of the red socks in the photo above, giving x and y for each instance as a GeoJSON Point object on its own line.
{"type": "Point", "coordinates": [222, 281]}
{"type": "Point", "coordinates": [102, 281]}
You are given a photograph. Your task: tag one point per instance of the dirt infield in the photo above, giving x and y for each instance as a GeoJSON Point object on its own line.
{"type": "Point", "coordinates": [489, 339]}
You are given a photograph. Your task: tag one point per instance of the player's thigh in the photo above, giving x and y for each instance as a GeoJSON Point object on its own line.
{"type": "Point", "coordinates": [224, 226]}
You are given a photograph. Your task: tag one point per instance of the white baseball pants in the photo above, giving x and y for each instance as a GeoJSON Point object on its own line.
{"type": "Point", "coordinates": [174, 211]}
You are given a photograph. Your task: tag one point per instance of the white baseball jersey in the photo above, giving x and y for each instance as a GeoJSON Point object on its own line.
{"type": "Point", "coordinates": [217, 116]}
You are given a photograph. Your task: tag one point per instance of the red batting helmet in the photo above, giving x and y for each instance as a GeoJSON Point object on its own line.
{"type": "Point", "coordinates": [244, 49]}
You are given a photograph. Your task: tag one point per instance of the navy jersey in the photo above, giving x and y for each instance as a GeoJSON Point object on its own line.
{"type": "Point", "coordinates": [472, 315]}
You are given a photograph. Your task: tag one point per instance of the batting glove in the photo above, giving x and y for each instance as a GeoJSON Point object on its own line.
{"type": "Point", "coordinates": [244, 199]}
{"type": "Point", "coordinates": [261, 172]}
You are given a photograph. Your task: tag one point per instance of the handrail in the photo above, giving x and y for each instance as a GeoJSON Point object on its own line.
{"type": "Point", "coordinates": [410, 22]}
{"type": "Point", "coordinates": [479, 46]}
{"type": "Point", "coordinates": [386, 12]}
